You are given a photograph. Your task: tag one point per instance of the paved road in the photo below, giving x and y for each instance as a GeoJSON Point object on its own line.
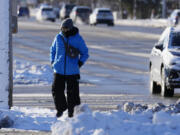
{"type": "Point", "coordinates": [22, 132]}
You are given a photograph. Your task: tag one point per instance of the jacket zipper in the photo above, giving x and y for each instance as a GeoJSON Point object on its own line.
{"type": "Point", "coordinates": [65, 60]}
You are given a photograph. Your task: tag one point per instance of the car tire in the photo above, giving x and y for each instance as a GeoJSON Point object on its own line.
{"type": "Point", "coordinates": [53, 20]}
{"type": "Point", "coordinates": [165, 91]}
{"type": "Point", "coordinates": [154, 88]}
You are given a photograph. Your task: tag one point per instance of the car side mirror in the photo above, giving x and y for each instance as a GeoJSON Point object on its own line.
{"type": "Point", "coordinates": [159, 46]}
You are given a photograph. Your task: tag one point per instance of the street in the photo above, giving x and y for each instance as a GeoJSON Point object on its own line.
{"type": "Point", "coordinates": [116, 72]}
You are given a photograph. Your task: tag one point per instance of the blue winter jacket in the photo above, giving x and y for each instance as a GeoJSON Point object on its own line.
{"type": "Point", "coordinates": [61, 62]}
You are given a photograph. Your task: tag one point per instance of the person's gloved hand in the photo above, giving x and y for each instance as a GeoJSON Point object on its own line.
{"type": "Point", "coordinates": [80, 63]}
{"type": "Point", "coordinates": [52, 64]}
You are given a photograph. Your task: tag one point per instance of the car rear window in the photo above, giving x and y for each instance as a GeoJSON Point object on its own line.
{"type": "Point", "coordinates": [69, 7]}
{"type": "Point", "coordinates": [105, 11]}
{"type": "Point", "coordinates": [83, 10]}
{"type": "Point", "coordinates": [23, 9]}
{"type": "Point", "coordinates": [176, 39]}
{"type": "Point", "coordinates": [47, 9]}
{"type": "Point", "coordinates": [178, 14]}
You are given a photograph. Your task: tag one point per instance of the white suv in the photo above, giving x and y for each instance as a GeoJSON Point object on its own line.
{"type": "Point", "coordinates": [80, 12]}
{"type": "Point", "coordinates": [101, 16]}
{"type": "Point", "coordinates": [46, 13]}
{"type": "Point", "coordinates": [165, 63]}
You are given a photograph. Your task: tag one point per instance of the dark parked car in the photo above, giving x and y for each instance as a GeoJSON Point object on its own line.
{"type": "Point", "coordinates": [165, 63]}
{"type": "Point", "coordinates": [56, 11]}
{"type": "Point", "coordinates": [81, 12]}
{"type": "Point", "coordinates": [66, 10]}
{"type": "Point", "coordinates": [23, 11]}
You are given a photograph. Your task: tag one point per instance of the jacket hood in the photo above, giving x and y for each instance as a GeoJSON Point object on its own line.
{"type": "Point", "coordinates": [72, 32]}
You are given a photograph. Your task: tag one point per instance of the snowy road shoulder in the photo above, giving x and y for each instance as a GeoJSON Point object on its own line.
{"type": "Point", "coordinates": [143, 22]}
{"type": "Point", "coordinates": [128, 119]}
{"type": "Point", "coordinates": [29, 74]}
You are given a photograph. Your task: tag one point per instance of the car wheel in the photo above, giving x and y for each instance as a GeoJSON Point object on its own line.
{"type": "Point", "coordinates": [165, 91]}
{"type": "Point", "coordinates": [154, 88]}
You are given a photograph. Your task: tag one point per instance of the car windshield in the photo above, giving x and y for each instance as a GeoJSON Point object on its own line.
{"type": "Point", "coordinates": [176, 39]}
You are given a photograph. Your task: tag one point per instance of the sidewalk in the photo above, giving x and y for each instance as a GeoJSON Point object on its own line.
{"type": "Point", "coordinates": [22, 132]}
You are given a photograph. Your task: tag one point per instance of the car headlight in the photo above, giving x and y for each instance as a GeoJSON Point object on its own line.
{"type": "Point", "coordinates": [173, 74]}
{"type": "Point", "coordinates": [172, 63]}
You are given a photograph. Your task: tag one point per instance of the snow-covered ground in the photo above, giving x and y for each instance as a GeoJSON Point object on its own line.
{"type": "Point", "coordinates": [26, 73]}
{"type": "Point", "coordinates": [128, 119]}
{"type": "Point", "coordinates": [143, 22]}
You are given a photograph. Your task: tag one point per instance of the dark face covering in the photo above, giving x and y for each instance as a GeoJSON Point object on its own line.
{"type": "Point", "coordinates": [66, 33]}
{"type": "Point", "coordinates": [69, 32]}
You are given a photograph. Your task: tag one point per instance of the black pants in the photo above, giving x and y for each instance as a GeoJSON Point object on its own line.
{"type": "Point", "coordinates": [58, 91]}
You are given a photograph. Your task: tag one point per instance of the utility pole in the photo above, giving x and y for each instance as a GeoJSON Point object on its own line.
{"type": "Point", "coordinates": [12, 29]}
{"type": "Point", "coordinates": [134, 9]}
{"type": "Point", "coordinates": [5, 54]}
{"type": "Point", "coordinates": [164, 8]}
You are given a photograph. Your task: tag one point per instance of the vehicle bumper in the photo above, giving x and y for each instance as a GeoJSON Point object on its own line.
{"type": "Point", "coordinates": [173, 78]}
{"type": "Point", "coordinates": [49, 18]}
{"type": "Point", "coordinates": [105, 21]}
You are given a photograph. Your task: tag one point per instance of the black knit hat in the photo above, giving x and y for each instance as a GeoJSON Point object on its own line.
{"type": "Point", "coordinates": [68, 23]}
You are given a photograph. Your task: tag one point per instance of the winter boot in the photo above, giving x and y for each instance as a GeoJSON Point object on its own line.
{"type": "Point", "coordinates": [59, 114]}
{"type": "Point", "coordinates": [70, 112]}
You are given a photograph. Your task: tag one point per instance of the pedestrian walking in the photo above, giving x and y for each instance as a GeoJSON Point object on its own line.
{"type": "Point", "coordinates": [67, 54]}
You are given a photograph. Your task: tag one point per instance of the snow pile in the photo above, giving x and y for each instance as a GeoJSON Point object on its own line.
{"type": "Point", "coordinates": [131, 119]}
{"type": "Point", "coordinates": [27, 118]}
{"type": "Point", "coordinates": [26, 73]}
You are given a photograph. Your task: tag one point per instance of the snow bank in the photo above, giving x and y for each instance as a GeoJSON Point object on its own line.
{"type": "Point", "coordinates": [26, 73]}
{"type": "Point", "coordinates": [28, 118]}
{"type": "Point", "coordinates": [129, 119]}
